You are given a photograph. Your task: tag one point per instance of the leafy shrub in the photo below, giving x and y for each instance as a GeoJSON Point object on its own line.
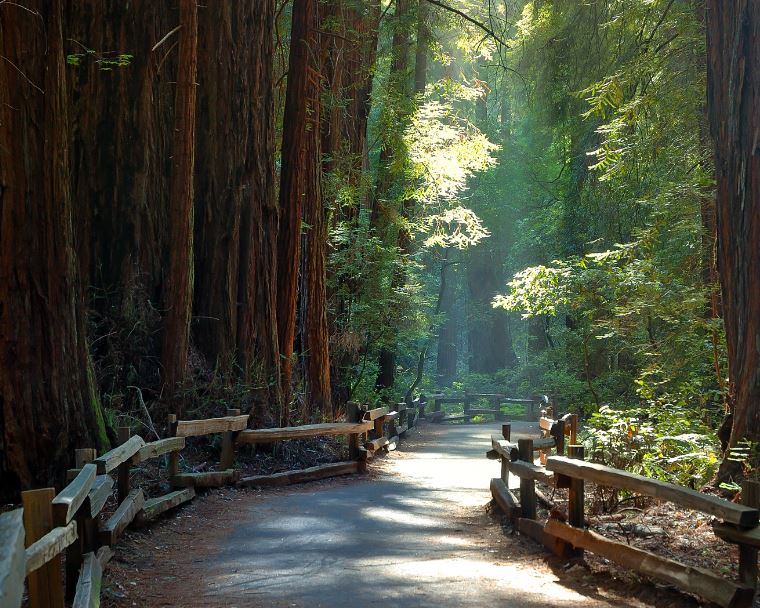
{"type": "Point", "coordinates": [664, 438]}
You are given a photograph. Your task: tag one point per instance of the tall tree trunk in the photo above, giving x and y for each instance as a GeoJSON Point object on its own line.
{"type": "Point", "coordinates": [48, 403]}
{"type": "Point", "coordinates": [734, 107]}
{"type": "Point", "coordinates": [179, 281]}
{"type": "Point", "coordinates": [122, 123]}
{"type": "Point", "coordinates": [293, 181]}
{"type": "Point", "coordinates": [349, 74]}
{"type": "Point", "coordinates": [257, 289]}
{"type": "Point", "coordinates": [390, 180]}
{"type": "Point", "coordinates": [235, 207]}
{"type": "Point", "coordinates": [316, 353]}
{"type": "Point", "coordinates": [223, 153]}
{"type": "Point", "coordinates": [421, 50]}
{"type": "Point", "coordinates": [448, 334]}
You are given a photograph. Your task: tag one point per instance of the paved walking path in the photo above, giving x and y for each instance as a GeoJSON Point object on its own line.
{"type": "Point", "coordinates": [402, 539]}
{"type": "Point", "coordinates": [414, 533]}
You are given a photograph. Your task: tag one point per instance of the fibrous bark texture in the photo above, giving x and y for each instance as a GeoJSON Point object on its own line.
{"type": "Point", "coordinates": [293, 180]}
{"type": "Point", "coordinates": [734, 109]}
{"type": "Point", "coordinates": [48, 404]}
{"type": "Point", "coordinates": [178, 297]}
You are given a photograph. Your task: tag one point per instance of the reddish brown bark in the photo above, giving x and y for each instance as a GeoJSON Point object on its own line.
{"type": "Point", "coordinates": [223, 131]}
{"type": "Point", "coordinates": [314, 294]}
{"type": "Point", "coordinates": [179, 280]}
{"type": "Point", "coordinates": [323, 136]}
{"type": "Point", "coordinates": [234, 187]}
{"type": "Point", "coordinates": [122, 122]}
{"type": "Point", "coordinates": [734, 109]}
{"type": "Point", "coordinates": [293, 181]}
{"type": "Point", "coordinates": [257, 322]}
{"type": "Point", "coordinates": [48, 404]}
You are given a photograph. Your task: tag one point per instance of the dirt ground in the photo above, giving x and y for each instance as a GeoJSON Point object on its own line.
{"type": "Point", "coordinates": [417, 530]}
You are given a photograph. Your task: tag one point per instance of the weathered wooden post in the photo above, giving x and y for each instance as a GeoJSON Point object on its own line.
{"type": "Point", "coordinates": [227, 459]}
{"type": "Point", "coordinates": [45, 584]}
{"type": "Point", "coordinates": [558, 433]}
{"type": "Point", "coordinates": [84, 456]}
{"type": "Point", "coordinates": [174, 456]}
{"type": "Point", "coordinates": [353, 415]}
{"type": "Point", "coordinates": [573, 428]}
{"type": "Point", "coordinates": [748, 554]}
{"type": "Point", "coordinates": [87, 526]}
{"type": "Point", "coordinates": [506, 432]}
{"type": "Point", "coordinates": [122, 471]}
{"type": "Point", "coordinates": [527, 486]}
{"type": "Point", "coordinates": [576, 498]}
{"type": "Point", "coordinates": [378, 432]}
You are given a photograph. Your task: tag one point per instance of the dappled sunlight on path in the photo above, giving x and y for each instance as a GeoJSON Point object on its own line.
{"type": "Point", "coordinates": [414, 536]}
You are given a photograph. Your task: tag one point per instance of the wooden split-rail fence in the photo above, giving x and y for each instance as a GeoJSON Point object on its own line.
{"type": "Point", "coordinates": [35, 537]}
{"type": "Point", "coordinates": [563, 466]}
{"type": "Point", "coordinates": [496, 400]}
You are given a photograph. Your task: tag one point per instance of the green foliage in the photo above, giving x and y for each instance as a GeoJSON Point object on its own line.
{"type": "Point", "coordinates": [105, 62]}
{"type": "Point", "coordinates": [664, 439]}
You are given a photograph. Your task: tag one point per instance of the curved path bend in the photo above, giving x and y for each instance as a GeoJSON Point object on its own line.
{"type": "Point", "coordinates": [414, 533]}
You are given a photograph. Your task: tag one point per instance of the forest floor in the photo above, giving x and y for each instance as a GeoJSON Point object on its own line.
{"type": "Point", "coordinates": [417, 531]}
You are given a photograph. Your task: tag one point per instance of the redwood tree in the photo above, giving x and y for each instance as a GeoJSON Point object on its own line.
{"type": "Point", "coordinates": [322, 136]}
{"type": "Point", "coordinates": [235, 208]}
{"type": "Point", "coordinates": [733, 30]}
{"type": "Point", "coordinates": [48, 404]}
{"type": "Point", "coordinates": [179, 280]}
{"type": "Point", "coordinates": [293, 180]}
{"type": "Point", "coordinates": [257, 289]}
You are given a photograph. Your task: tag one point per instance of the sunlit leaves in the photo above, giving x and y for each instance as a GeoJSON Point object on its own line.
{"type": "Point", "coordinates": [458, 227]}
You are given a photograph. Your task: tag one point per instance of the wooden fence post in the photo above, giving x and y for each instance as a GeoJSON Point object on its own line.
{"type": "Point", "coordinates": [573, 429]}
{"type": "Point", "coordinates": [558, 433]}
{"type": "Point", "coordinates": [747, 554]}
{"type": "Point", "coordinates": [84, 456]}
{"type": "Point", "coordinates": [378, 432]}
{"type": "Point", "coordinates": [506, 432]}
{"type": "Point", "coordinates": [87, 529]}
{"type": "Point", "coordinates": [87, 526]}
{"type": "Point", "coordinates": [174, 456]}
{"type": "Point", "coordinates": [122, 471]}
{"type": "Point", "coordinates": [45, 584]}
{"type": "Point", "coordinates": [576, 495]}
{"type": "Point", "coordinates": [227, 460]}
{"type": "Point", "coordinates": [352, 415]}
{"type": "Point", "coordinates": [527, 486]}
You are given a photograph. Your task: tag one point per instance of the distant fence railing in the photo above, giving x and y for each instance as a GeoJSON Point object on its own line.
{"type": "Point", "coordinates": [738, 522]}
{"type": "Point", "coordinates": [468, 399]}
{"type": "Point", "coordinates": [34, 537]}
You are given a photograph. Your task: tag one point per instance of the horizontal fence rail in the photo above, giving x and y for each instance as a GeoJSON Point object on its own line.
{"type": "Point", "coordinates": [35, 537]}
{"type": "Point", "coordinates": [468, 399]}
{"type": "Point", "coordinates": [566, 468]}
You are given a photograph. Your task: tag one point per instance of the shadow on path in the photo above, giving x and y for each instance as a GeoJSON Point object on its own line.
{"type": "Point", "coordinates": [406, 538]}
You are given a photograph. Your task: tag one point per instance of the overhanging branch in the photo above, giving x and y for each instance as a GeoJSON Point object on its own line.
{"type": "Point", "coordinates": [469, 19]}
